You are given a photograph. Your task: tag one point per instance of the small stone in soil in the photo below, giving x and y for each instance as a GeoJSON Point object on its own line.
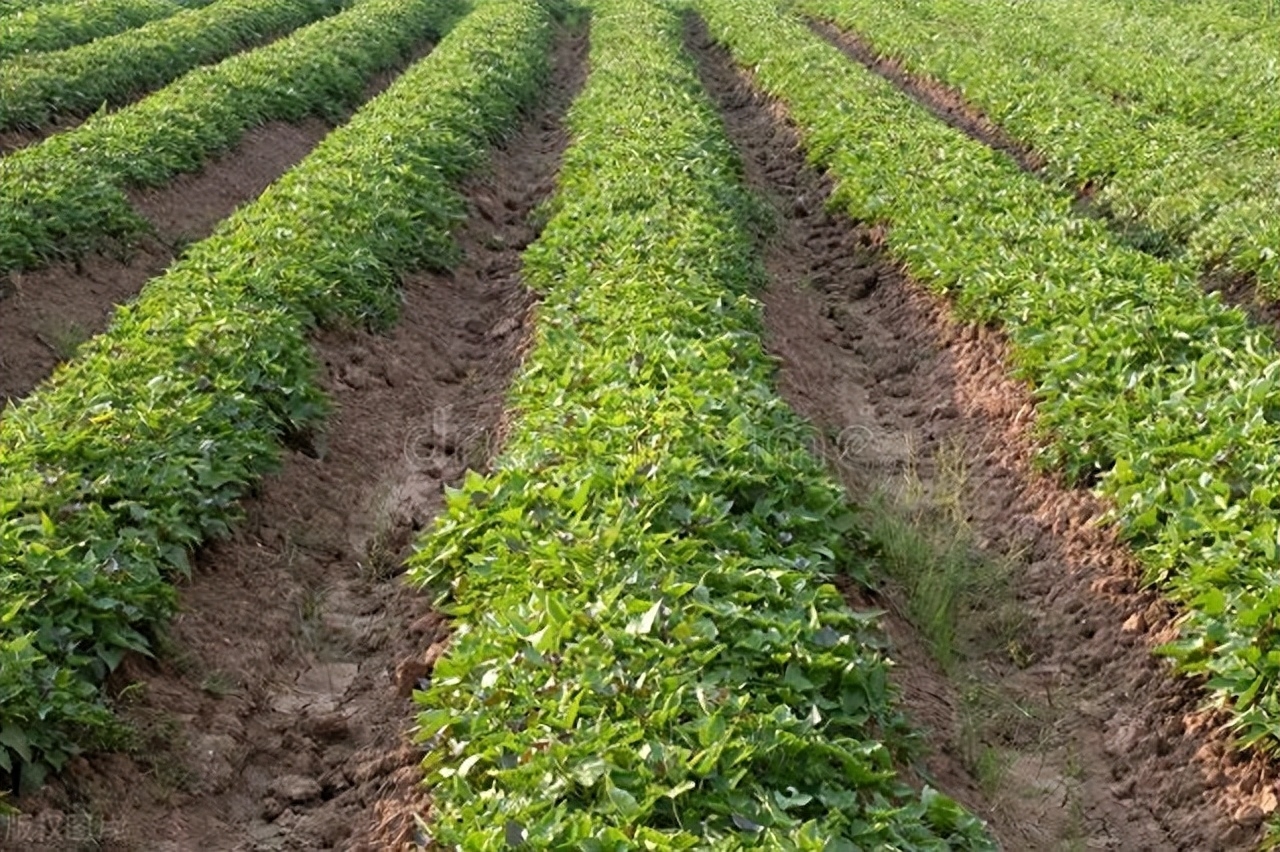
{"type": "Point", "coordinates": [271, 808]}
{"type": "Point", "coordinates": [1123, 739]}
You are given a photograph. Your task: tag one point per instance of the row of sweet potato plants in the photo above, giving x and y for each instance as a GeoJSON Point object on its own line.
{"type": "Point", "coordinates": [66, 195]}
{"type": "Point", "coordinates": [1163, 397]}
{"type": "Point", "coordinates": [646, 651]}
{"type": "Point", "coordinates": [1163, 65]}
{"type": "Point", "coordinates": [1210, 188]}
{"type": "Point", "coordinates": [141, 447]}
{"type": "Point", "coordinates": [16, 7]}
{"type": "Point", "coordinates": [65, 25]}
{"type": "Point", "coordinates": [39, 87]}
{"type": "Point", "coordinates": [1151, 66]}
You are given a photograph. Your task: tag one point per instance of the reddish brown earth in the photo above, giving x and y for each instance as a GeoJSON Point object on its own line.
{"type": "Point", "coordinates": [12, 140]}
{"type": "Point", "coordinates": [278, 716]}
{"type": "Point", "coordinates": [1097, 744]}
{"type": "Point", "coordinates": [1242, 291]}
{"type": "Point", "coordinates": [190, 206]}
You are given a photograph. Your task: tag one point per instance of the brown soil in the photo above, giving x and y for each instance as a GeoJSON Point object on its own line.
{"type": "Point", "coordinates": [12, 140]}
{"type": "Point", "coordinates": [1242, 291]}
{"type": "Point", "coordinates": [189, 207]}
{"type": "Point", "coordinates": [1099, 745]}
{"type": "Point", "coordinates": [379, 82]}
{"type": "Point", "coordinates": [278, 717]}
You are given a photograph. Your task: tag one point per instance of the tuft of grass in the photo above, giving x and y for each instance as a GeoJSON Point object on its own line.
{"type": "Point", "coordinates": [931, 574]}
{"type": "Point", "coordinates": [180, 243]}
{"type": "Point", "coordinates": [991, 770]}
{"type": "Point", "coordinates": [958, 597]}
{"type": "Point", "coordinates": [158, 742]}
{"type": "Point", "coordinates": [311, 636]}
{"type": "Point", "coordinates": [1076, 836]}
{"type": "Point", "coordinates": [132, 694]}
{"type": "Point", "coordinates": [1270, 833]}
{"type": "Point", "coordinates": [382, 549]}
{"type": "Point", "coordinates": [174, 654]}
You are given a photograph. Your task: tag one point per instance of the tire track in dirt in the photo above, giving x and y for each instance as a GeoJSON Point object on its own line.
{"type": "Point", "coordinates": [278, 716]}
{"type": "Point", "coordinates": [1101, 746]}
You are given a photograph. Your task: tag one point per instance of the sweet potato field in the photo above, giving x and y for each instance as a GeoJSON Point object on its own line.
{"type": "Point", "coordinates": [639, 424]}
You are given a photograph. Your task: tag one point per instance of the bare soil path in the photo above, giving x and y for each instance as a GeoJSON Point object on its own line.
{"type": "Point", "coordinates": [12, 140]}
{"type": "Point", "coordinates": [1051, 719]}
{"type": "Point", "coordinates": [278, 717]}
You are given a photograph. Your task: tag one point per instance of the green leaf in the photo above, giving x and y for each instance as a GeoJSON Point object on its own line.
{"type": "Point", "coordinates": [589, 771]}
{"type": "Point", "coordinates": [15, 738]}
{"type": "Point", "coordinates": [644, 624]}
{"type": "Point", "coordinates": [624, 802]}
{"type": "Point", "coordinates": [794, 678]}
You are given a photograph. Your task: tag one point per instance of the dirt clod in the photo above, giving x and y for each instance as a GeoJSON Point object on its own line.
{"type": "Point", "coordinates": [295, 789]}
{"type": "Point", "coordinates": [1135, 623]}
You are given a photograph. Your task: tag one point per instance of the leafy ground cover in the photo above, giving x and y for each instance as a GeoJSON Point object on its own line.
{"type": "Point", "coordinates": [646, 652]}
{"type": "Point", "coordinates": [1206, 187]}
{"type": "Point", "coordinates": [1152, 67]}
{"type": "Point", "coordinates": [12, 7]}
{"type": "Point", "coordinates": [64, 25]}
{"type": "Point", "coordinates": [1252, 22]}
{"type": "Point", "coordinates": [65, 196]}
{"type": "Point", "coordinates": [141, 447]}
{"type": "Point", "coordinates": [37, 87]}
{"type": "Point", "coordinates": [1157, 394]}
{"type": "Point", "coordinates": [1168, 66]}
